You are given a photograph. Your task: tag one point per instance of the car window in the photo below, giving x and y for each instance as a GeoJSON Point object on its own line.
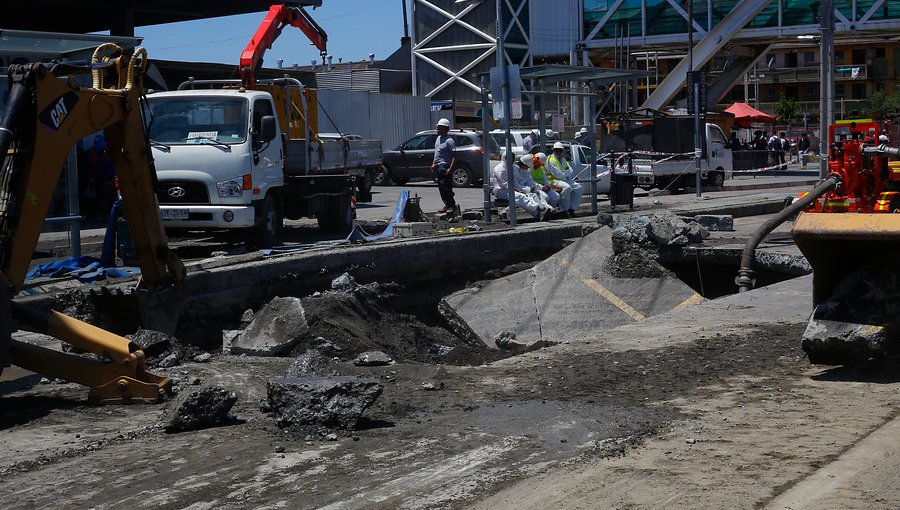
{"type": "Point", "coordinates": [717, 135]}
{"type": "Point", "coordinates": [420, 142]}
{"type": "Point", "coordinates": [462, 140]}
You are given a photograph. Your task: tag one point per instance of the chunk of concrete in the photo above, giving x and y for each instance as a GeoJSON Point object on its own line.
{"type": "Point", "coordinates": [344, 283]}
{"type": "Point", "coordinates": [373, 359]}
{"type": "Point", "coordinates": [153, 343]}
{"type": "Point", "coordinates": [715, 222]}
{"type": "Point", "coordinates": [246, 318]}
{"type": "Point", "coordinates": [275, 329]}
{"type": "Point", "coordinates": [200, 408]}
{"type": "Point", "coordinates": [228, 338]}
{"type": "Point", "coordinates": [333, 402]}
{"type": "Point", "coordinates": [309, 363]}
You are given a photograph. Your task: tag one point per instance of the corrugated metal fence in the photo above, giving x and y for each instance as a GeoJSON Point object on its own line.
{"type": "Point", "coordinates": [392, 118]}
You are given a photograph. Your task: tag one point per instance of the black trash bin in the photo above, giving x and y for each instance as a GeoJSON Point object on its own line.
{"type": "Point", "coordinates": [622, 189]}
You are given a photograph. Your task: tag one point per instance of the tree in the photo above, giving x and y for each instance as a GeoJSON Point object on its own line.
{"type": "Point", "coordinates": [881, 105]}
{"type": "Point", "coordinates": [786, 110]}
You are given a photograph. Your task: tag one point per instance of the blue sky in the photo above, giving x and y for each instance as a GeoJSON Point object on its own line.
{"type": "Point", "coordinates": [355, 28]}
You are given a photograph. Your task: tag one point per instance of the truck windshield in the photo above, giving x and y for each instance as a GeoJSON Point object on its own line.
{"type": "Point", "coordinates": [198, 120]}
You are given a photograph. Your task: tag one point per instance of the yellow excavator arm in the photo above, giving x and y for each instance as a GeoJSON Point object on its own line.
{"type": "Point", "coordinates": [46, 115]}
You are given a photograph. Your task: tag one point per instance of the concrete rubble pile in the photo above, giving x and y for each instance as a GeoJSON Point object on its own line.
{"type": "Point", "coordinates": [320, 403]}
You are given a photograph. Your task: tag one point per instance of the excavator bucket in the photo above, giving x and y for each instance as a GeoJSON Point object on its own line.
{"type": "Point", "coordinates": [856, 284]}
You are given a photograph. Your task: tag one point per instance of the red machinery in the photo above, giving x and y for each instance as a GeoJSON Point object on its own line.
{"type": "Point", "coordinates": [853, 248]}
{"type": "Point", "coordinates": [278, 17]}
{"type": "Point", "coordinates": [869, 184]}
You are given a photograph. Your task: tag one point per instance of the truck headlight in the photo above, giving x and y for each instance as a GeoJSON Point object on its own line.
{"type": "Point", "coordinates": [232, 188]}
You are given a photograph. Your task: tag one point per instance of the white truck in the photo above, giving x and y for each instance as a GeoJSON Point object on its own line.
{"type": "Point", "coordinates": [231, 158]}
{"type": "Point", "coordinates": [654, 143]}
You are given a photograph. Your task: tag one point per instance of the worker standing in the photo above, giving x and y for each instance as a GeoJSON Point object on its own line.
{"type": "Point", "coordinates": [583, 137]}
{"type": "Point", "coordinates": [444, 161]}
{"type": "Point", "coordinates": [561, 174]}
{"type": "Point", "coordinates": [524, 197]}
{"type": "Point", "coordinates": [530, 142]}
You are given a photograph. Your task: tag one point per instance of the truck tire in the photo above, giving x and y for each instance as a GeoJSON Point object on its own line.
{"type": "Point", "coordinates": [269, 222]}
{"type": "Point", "coordinates": [364, 186]}
{"type": "Point", "coordinates": [715, 179]}
{"type": "Point", "coordinates": [382, 176]}
{"type": "Point", "coordinates": [462, 177]}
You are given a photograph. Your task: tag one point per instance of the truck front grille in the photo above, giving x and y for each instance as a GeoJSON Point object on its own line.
{"type": "Point", "coordinates": [182, 193]}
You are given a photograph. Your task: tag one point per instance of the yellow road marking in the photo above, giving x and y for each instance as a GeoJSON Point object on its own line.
{"type": "Point", "coordinates": [604, 292]}
{"type": "Point", "coordinates": [693, 300]}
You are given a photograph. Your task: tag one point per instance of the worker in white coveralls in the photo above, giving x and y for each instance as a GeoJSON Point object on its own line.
{"type": "Point", "coordinates": [545, 188]}
{"type": "Point", "coordinates": [562, 174]}
{"type": "Point", "coordinates": [530, 141]}
{"type": "Point", "coordinates": [524, 196]}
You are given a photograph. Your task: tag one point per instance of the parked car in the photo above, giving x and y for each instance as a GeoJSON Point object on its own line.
{"type": "Point", "coordinates": [579, 156]}
{"type": "Point", "coordinates": [518, 136]}
{"type": "Point", "coordinates": [413, 158]}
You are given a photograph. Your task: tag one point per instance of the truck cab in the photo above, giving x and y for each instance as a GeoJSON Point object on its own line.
{"type": "Point", "coordinates": [668, 161]}
{"type": "Point", "coordinates": [218, 158]}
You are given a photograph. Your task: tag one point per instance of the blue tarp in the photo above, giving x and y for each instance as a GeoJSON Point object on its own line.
{"type": "Point", "coordinates": [90, 269]}
{"type": "Point", "coordinates": [357, 235]}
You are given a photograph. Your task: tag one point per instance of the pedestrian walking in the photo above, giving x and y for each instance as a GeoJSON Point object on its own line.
{"type": "Point", "coordinates": [803, 148]}
{"type": "Point", "coordinates": [785, 150]}
{"type": "Point", "coordinates": [444, 161]}
{"type": "Point", "coordinates": [774, 148]}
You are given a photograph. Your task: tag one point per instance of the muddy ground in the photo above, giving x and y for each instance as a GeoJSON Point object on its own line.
{"type": "Point", "coordinates": [713, 406]}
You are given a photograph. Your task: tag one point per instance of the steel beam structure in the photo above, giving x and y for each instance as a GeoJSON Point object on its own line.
{"type": "Point", "coordinates": [454, 41]}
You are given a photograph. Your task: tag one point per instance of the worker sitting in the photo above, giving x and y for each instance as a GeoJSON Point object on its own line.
{"type": "Point", "coordinates": [562, 174]}
{"type": "Point", "coordinates": [546, 189]}
{"type": "Point", "coordinates": [524, 197]}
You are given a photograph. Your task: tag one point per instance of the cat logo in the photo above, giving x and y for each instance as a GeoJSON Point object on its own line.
{"type": "Point", "coordinates": [54, 115]}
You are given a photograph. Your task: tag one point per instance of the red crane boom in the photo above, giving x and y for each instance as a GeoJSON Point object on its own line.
{"type": "Point", "coordinates": [278, 17]}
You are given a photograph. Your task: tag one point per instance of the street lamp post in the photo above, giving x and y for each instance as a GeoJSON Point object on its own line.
{"type": "Point", "coordinates": [826, 116]}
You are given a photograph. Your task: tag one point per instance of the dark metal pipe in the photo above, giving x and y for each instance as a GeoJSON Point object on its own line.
{"type": "Point", "coordinates": [745, 279]}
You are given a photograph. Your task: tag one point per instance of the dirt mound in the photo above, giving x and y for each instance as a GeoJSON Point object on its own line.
{"type": "Point", "coordinates": [362, 320]}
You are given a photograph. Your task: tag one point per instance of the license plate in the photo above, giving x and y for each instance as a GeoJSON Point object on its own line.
{"type": "Point", "coordinates": [174, 214]}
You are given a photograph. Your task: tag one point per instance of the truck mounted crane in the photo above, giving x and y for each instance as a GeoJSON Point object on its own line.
{"type": "Point", "coordinates": [278, 17]}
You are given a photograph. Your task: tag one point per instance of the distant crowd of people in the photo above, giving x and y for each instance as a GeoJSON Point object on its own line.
{"type": "Point", "coordinates": [777, 145]}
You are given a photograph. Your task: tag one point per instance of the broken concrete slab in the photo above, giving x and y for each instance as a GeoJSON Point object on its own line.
{"type": "Point", "coordinates": [373, 359]}
{"type": "Point", "coordinates": [332, 402]}
{"type": "Point", "coordinates": [571, 295]}
{"type": "Point", "coordinates": [200, 408]}
{"type": "Point", "coordinates": [715, 222]}
{"type": "Point", "coordinates": [275, 329]}
{"type": "Point", "coordinates": [228, 338]}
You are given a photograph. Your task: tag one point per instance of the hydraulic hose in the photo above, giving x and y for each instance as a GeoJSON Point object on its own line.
{"type": "Point", "coordinates": [745, 279]}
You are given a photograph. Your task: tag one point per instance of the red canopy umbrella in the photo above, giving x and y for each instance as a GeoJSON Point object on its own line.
{"type": "Point", "coordinates": [744, 114]}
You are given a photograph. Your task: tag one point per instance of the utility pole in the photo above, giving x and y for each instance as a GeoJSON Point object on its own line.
{"type": "Point", "coordinates": [507, 113]}
{"type": "Point", "coordinates": [826, 116]}
{"type": "Point", "coordinates": [695, 83]}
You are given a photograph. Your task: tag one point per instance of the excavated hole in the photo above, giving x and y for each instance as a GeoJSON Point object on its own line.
{"type": "Point", "coordinates": [715, 280]}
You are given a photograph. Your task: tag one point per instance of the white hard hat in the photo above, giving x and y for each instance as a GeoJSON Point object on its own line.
{"type": "Point", "coordinates": [541, 157]}
{"type": "Point", "coordinates": [883, 138]}
{"type": "Point", "coordinates": [443, 123]}
{"type": "Point", "coordinates": [582, 130]}
{"type": "Point", "coordinates": [558, 145]}
{"type": "Point", "coordinates": [535, 132]}
{"type": "Point", "coordinates": [527, 160]}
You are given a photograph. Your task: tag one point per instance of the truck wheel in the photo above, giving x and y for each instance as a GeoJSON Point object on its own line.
{"type": "Point", "coordinates": [461, 177]}
{"type": "Point", "coordinates": [364, 186]}
{"type": "Point", "coordinates": [268, 223]}
{"type": "Point", "coordinates": [715, 179]}
{"type": "Point", "coordinates": [382, 176]}
{"type": "Point", "coordinates": [399, 181]}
